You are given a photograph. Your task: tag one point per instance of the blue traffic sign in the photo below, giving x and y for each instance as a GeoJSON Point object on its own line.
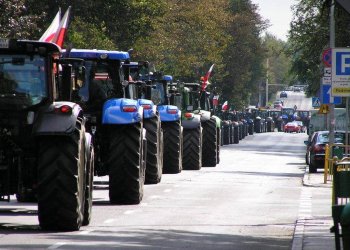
{"type": "Point", "coordinates": [342, 66]}
{"type": "Point", "coordinates": [327, 98]}
{"type": "Point", "coordinates": [316, 103]}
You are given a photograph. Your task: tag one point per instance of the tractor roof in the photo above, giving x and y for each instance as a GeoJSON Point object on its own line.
{"type": "Point", "coordinates": [99, 54]}
{"type": "Point", "coordinates": [28, 46]}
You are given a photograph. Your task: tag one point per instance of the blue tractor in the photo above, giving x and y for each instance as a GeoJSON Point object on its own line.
{"type": "Point", "coordinates": [116, 122]}
{"type": "Point", "coordinates": [137, 73]}
{"type": "Point", "coordinates": [154, 88]}
{"type": "Point", "coordinates": [170, 115]}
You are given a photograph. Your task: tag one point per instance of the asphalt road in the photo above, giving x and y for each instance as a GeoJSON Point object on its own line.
{"type": "Point", "coordinates": [296, 98]}
{"type": "Point", "coordinates": [249, 201]}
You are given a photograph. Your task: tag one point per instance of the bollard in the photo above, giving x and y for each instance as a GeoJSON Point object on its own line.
{"type": "Point", "coordinates": [345, 225]}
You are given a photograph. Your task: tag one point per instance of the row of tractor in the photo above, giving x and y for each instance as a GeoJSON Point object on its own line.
{"type": "Point", "coordinates": [69, 115]}
{"type": "Point", "coordinates": [238, 124]}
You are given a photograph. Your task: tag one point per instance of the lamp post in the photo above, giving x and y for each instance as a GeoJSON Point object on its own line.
{"type": "Point", "coordinates": [267, 82]}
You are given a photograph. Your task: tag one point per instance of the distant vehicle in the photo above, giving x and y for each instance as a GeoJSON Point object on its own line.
{"type": "Point", "coordinates": [291, 127]}
{"type": "Point", "coordinates": [315, 151]}
{"type": "Point", "coordinates": [278, 105]}
{"type": "Point", "coordinates": [288, 114]}
{"type": "Point", "coordinates": [296, 89]}
{"type": "Point", "coordinates": [304, 116]}
{"type": "Point", "coordinates": [301, 125]}
{"type": "Point", "coordinates": [283, 94]}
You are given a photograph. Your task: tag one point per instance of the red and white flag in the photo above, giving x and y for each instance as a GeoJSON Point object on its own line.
{"type": "Point", "coordinates": [51, 31]}
{"type": "Point", "coordinates": [205, 82]}
{"type": "Point", "coordinates": [61, 30]}
{"type": "Point", "coordinates": [225, 106]}
{"type": "Point", "coordinates": [216, 100]}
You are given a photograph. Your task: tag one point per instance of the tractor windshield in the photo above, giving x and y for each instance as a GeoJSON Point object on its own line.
{"type": "Point", "coordinates": [104, 81]}
{"type": "Point", "coordinates": [22, 80]}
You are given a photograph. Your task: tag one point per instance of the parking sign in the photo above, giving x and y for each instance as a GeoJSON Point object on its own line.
{"type": "Point", "coordinates": [341, 72]}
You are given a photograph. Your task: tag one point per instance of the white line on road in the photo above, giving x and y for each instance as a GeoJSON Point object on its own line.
{"type": "Point", "coordinates": [108, 221]}
{"type": "Point", "coordinates": [85, 232]}
{"type": "Point", "coordinates": [57, 245]}
{"type": "Point", "coordinates": [129, 212]}
{"type": "Point", "coordinates": [167, 190]}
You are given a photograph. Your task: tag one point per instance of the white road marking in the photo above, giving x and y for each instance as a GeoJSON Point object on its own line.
{"type": "Point", "coordinates": [85, 232]}
{"type": "Point", "coordinates": [129, 212]}
{"type": "Point", "coordinates": [108, 221]}
{"type": "Point", "coordinates": [57, 245]}
{"type": "Point", "coordinates": [167, 190]}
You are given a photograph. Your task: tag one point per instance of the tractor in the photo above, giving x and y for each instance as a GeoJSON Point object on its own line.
{"type": "Point", "coordinates": [46, 152]}
{"type": "Point", "coordinates": [115, 120]}
{"type": "Point", "coordinates": [138, 74]}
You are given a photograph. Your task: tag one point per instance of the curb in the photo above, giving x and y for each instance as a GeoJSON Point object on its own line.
{"type": "Point", "coordinates": [298, 234]}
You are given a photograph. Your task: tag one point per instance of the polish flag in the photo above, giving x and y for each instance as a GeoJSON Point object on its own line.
{"type": "Point", "coordinates": [216, 100]}
{"type": "Point", "coordinates": [51, 31]}
{"type": "Point", "coordinates": [205, 79]}
{"type": "Point", "coordinates": [225, 106]}
{"type": "Point", "coordinates": [61, 31]}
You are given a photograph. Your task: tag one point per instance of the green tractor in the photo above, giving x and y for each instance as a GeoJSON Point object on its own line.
{"type": "Point", "coordinates": [200, 104]}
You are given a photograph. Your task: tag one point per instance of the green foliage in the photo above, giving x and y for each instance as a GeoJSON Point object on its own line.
{"type": "Point", "coordinates": [15, 21]}
{"type": "Point", "coordinates": [182, 38]}
{"type": "Point", "coordinates": [309, 36]}
{"type": "Point", "coordinates": [87, 35]}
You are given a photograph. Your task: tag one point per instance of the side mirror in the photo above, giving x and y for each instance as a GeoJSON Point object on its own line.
{"type": "Point", "coordinates": [307, 143]}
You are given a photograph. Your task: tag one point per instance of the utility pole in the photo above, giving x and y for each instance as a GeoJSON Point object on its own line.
{"type": "Point", "coordinates": [332, 46]}
{"type": "Point", "coordinates": [267, 82]}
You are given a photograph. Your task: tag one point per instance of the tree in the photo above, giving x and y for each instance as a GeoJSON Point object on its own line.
{"type": "Point", "coordinates": [309, 36]}
{"type": "Point", "coordinates": [15, 21]}
{"type": "Point", "coordinates": [244, 55]}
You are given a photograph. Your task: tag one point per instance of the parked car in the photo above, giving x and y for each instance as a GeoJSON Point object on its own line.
{"type": "Point", "coordinates": [291, 127]}
{"type": "Point", "coordinates": [283, 94]}
{"type": "Point", "coordinates": [315, 151]}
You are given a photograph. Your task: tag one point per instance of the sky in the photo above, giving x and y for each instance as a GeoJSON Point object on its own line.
{"type": "Point", "coordinates": [279, 14]}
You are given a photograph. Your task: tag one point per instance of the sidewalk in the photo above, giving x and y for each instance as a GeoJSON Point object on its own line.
{"type": "Point", "coordinates": [312, 231]}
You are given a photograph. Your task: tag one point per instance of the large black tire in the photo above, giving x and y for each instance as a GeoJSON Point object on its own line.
{"type": "Point", "coordinates": [312, 168]}
{"type": "Point", "coordinates": [218, 144]}
{"type": "Point", "coordinates": [125, 162]}
{"type": "Point", "coordinates": [192, 149]}
{"type": "Point", "coordinates": [172, 132]}
{"type": "Point", "coordinates": [232, 133]}
{"type": "Point", "coordinates": [209, 158]}
{"type": "Point", "coordinates": [251, 128]}
{"type": "Point", "coordinates": [89, 185]}
{"type": "Point", "coordinates": [236, 134]}
{"type": "Point", "coordinates": [154, 164]}
{"type": "Point", "coordinates": [61, 181]}
{"type": "Point", "coordinates": [226, 134]}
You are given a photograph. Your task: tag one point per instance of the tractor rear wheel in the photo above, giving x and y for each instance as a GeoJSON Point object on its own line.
{"type": "Point", "coordinates": [172, 132]}
{"type": "Point", "coordinates": [209, 158]}
{"type": "Point", "coordinates": [61, 181]}
{"type": "Point", "coordinates": [154, 136]}
{"type": "Point", "coordinates": [192, 149]}
{"type": "Point", "coordinates": [89, 185]}
{"type": "Point", "coordinates": [125, 162]}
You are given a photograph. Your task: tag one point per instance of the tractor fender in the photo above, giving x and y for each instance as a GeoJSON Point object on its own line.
{"type": "Point", "coordinates": [218, 121]}
{"type": "Point", "coordinates": [205, 115]}
{"type": "Point", "coordinates": [121, 111]}
{"type": "Point", "coordinates": [169, 113]}
{"type": "Point", "coordinates": [57, 118]}
{"type": "Point", "coordinates": [191, 123]}
{"type": "Point", "coordinates": [151, 109]}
